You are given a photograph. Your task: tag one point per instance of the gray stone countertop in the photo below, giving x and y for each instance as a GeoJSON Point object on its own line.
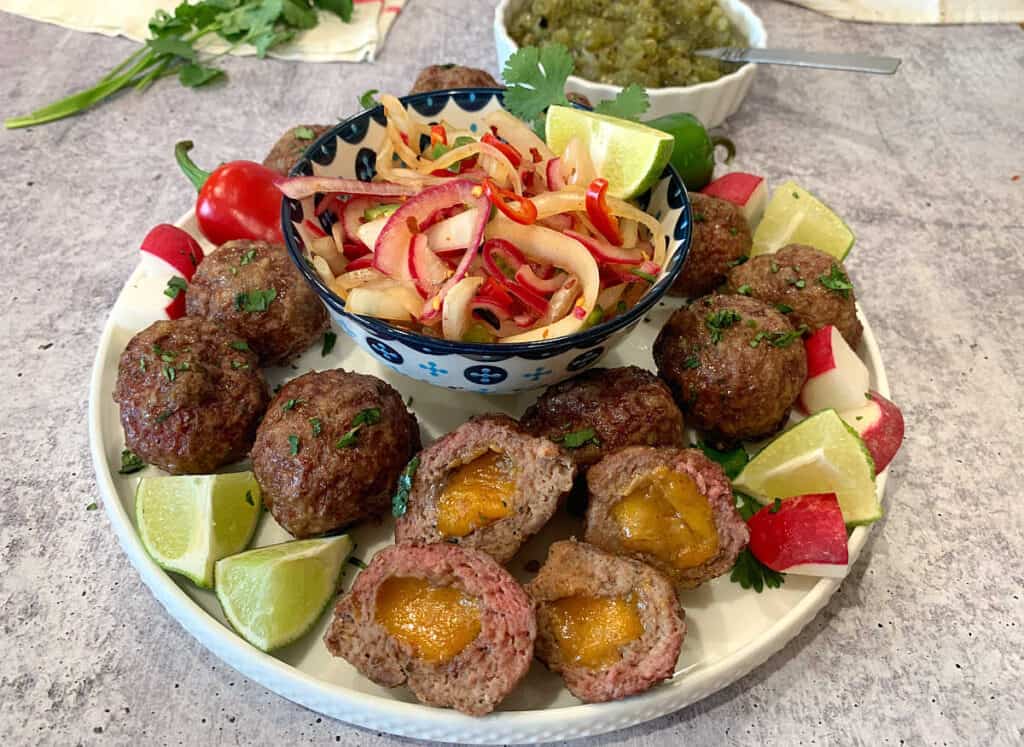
{"type": "Point", "coordinates": [922, 644]}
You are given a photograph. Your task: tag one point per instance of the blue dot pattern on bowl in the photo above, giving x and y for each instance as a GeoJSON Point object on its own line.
{"type": "Point", "coordinates": [385, 351]}
{"type": "Point", "coordinates": [485, 375]}
{"type": "Point", "coordinates": [588, 358]}
{"type": "Point", "coordinates": [479, 368]}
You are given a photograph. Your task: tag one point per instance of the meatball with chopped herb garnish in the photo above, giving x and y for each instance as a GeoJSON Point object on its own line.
{"type": "Point", "coordinates": [330, 450]}
{"type": "Point", "coordinates": [721, 240]}
{"type": "Point", "coordinates": [807, 285]}
{"type": "Point", "coordinates": [191, 395]}
{"type": "Point", "coordinates": [735, 366]}
{"type": "Point", "coordinates": [254, 290]}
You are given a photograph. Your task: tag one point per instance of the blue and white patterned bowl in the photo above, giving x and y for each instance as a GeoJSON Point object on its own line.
{"type": "Point", "coordinates": [349, 150]}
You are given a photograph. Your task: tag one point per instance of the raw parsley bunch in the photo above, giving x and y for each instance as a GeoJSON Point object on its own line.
{"type": "Point", "coordinates": [536, 80]}
{"type": "Point", "coordinates": [172, 46]}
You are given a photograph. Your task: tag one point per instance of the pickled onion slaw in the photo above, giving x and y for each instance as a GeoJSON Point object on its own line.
{"type": "Point", "coordinates": [485, 237]}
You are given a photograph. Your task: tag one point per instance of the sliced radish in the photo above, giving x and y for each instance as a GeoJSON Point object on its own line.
{"type": "Point", "coordinates": [167, 249]}
{"type": "Point", "coordinates": [805, 534]}
{"type": "Point", "coordinates": [880, 423]}
{"type": "Point", "coordinates": [457, 312]}
{"type": "Point", "coordinates": [747, 191]}
{"type": "Point", "coordinates": [605, 252]}
{"type": "Point", "coordinates": [836, 377]}
{"type": "Point", "coordinates": [352, 217]}
{"type": "Point", "coordinates": [369, 232]}
{"type": "Point", "coordinates": [300, 187]}
{"type": "Point", "coordinates": [427, 270]}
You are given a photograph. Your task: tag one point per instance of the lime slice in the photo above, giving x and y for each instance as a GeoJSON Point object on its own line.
{"type": "Point", "coordinates": [188, 523]}
{"type": "Point", "coordinates": [629, 155]}
{"type": "Point", "coordinates": [795, 216]}
{"type": "Point", "coordinates": [821, 454]}
{"type": "Point", "coordinates": [273, 595]}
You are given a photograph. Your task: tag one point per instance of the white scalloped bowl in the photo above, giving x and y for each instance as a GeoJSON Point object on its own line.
{"type": "Point", "coordinates": [712, 103]}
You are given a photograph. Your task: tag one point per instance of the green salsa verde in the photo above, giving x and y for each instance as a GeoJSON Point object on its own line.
{"type": "Point", "coordinates": [649, 42]}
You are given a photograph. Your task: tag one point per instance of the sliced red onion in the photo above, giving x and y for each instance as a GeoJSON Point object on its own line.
{"type": "Point", "coordinates": [300, 187]}
{"type": "Point", "coordinates": [556, 180]}
{"type": "Point", "coordinates": [526, 277]}
{"type": "Point", "coordinates": [605, 252]}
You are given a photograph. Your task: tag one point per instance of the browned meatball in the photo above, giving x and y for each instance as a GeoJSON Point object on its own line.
{"type": "Point", "coordinates": [624, 406]}
{"type": "Point", "coordinates": [330, 450]}
{"type": "Point", "coordinates": [190, 395]}
{"type": "Point", "coordinates": [443, 77]}
{"type": "Point", "coordinates": [807, 285]}
{"type": "Point", "coordinates": [734, 364]}
{"type": "Point", "coordinates": [721, 236]}
{"type": "Point", "coordinates": [253, 289]}
{"type": "Point", "coordinates": [291, 145]}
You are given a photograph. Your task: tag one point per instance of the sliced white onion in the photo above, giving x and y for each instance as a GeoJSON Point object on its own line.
{"type": "Point", "coordinates": [456, 232]}
{"type": "Point", "coordinates": [369, 231]}
{"type": "Point", "coordinates": [610, 296]}
{"type": "Point", "coordinates": [550, 247]}
{"type": "Point", "coordinates": [383, 304]}
{"type": "Point", "coordinates": [326, 250]}
{"type": "Point", "coordinates": [354, 279]}
{"type": "Point", "coordinates": [456, 313]}
{"type": "Point", "coordinates": [517, 134]}
{"type": "Point", "coordinates": [323, 269]}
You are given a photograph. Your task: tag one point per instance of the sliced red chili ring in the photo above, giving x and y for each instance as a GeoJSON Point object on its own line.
{"type": "Point", "coordinates": [513, 155]}
{"type": "Point", "coordinates": [516, 207]}
{"type": "Point", "coordinates": [599, 214]}
{"type": "Point", "coordinates": [502, 258]}
{"type": "Point", "coordinates": [438, 135]}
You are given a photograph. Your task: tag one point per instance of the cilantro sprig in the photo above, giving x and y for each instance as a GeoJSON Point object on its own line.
{"type": "Point", "coordinates": [173, 47]}
{"type": "Point", "coordinates": [749, 572]}
{"type": "Point", "coordinates": [535, 79]}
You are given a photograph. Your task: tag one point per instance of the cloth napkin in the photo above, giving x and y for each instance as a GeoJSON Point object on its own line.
{"type": "Point", "coordinates": [331, 40]}
{"type": "Point", "coordinates": [920, 11]}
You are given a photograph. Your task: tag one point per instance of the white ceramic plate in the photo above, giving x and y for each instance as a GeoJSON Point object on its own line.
{"type": "Point", "coordinates": [730, 630]}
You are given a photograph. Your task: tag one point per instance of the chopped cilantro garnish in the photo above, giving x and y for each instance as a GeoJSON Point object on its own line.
{"type": "Point", "coordinates": [784, 308]}
{"type": "Point", "coordinates": [776, 506]}
{"type": "Point", "coordinates": [621, 308]}
{"type": "Point", "coordinates": [303, 133]}
{"type": "Point", "coordinates": [293, 445]}
{"type": "Point", "coordinates": [692, 361]}
{"type": "Point", "coordinates": [292, 403]}
{"type": "Point", "coordinates": [796, 196]}
{"type": "Point", "coordinates": [732, 461]}
{"type": "Point", "coordinates": [316, 425]}
{"type": "Point", "coordinates": [329, 339]}
{"type": "Point", "coordinates": [130, 462]}
{"type": "Point", "coordinates": [248, 257]}
{"type": "Point", "coordinates": [169, 373]}
{"type": "Point", "coordinates": [164, 415]}
{"type": "Point", "coordinates": [718, 321]}
{"type": "Point", "coordinates": [774, 266]}
{"type": "Point", "coordinates": [91, 507]}
{"type": "Point", "coordinates": [785, 339]}
{"type": "Point", "coordinates": [255, 300]}
{"type": "Point", "coordinates": [239, 365]}
{"type": "Point", "coordinates": [798, 283]}
{"type": "Point", "coordinates": [745, 505]}
{"type": "Point", "coordinates": [249, 498]}
{"type": "Point", "coordinates": [400, 501]}
{"type": "Point", "coordinates": [175, 286]}
{"type": "Point", "coordinates": [576, 439]}
{"type": "Point", "coordinates": [837, 281]}
{"type": "Point", "coordinates": [744, 290]}
{"type": "Point", "coordinates": [369, 416]}
{"type": "Point", "coordinates": [357, 562]}
{"type": "Point", "coordinates": [733, 230]}
{"type": "Point", "coordinates": [240, 345]}
{"type": "Point", "coordinates": [698, 218]}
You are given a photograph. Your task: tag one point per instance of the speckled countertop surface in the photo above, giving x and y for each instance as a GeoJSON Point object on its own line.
{"type": "Point", "coordinates": [922, 645]}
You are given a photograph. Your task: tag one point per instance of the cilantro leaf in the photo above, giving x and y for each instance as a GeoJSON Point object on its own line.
{"type": "Point", "coordinates": [400, 501]}
{"type": "Point", "coordinates": [837, 281]}
{"type": "Point", "coordinates": [293, 445]}
{"type": "Point", "coordinates": [130, 462]}
{"type": "Point", "coordinates": [175, 286]}
{"type": "Point", "coordinates": [329, 339]}
{"type": "Point", "coordinates": [341, 8]}
{"type": "Point", "coordinates": [193, 75]}
{"type": "Point", "coordinates": [719, 321]}
{"type": "Point", "coordinates": [367, 100]}
{"type": "Point", "coordinates": [303, 133]}
{"type": "Point", "coordinates": [749, 573]}
{"type": "Point", "coordinates": [630, 103]}
{"type": "Point", "coordinates": [171, 46]}
{"type": "Point", "coordinates": [576, 439]}
{"type": "Point", "coordinates": [298, 14]}
{"type": "Point", "coordinates": [369, 416]}
{"type": "Point", "coordinates": [732, 462]}
{"type": "Point", "coordinates": [536, 79]}
{"type": "Point", "coordinates": [254, 300]}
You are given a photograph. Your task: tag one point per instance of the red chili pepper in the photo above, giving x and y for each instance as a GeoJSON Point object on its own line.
{"type": "Point", "coordinates": [237, 200]}
{"type": "Point", "coordinates": [507, 150]}
{"type": "Point", "coordinates": [438, 135]}
{"type": "Point", "coordinates": [502, 258]}
{"type": "Point", "coordinates": [504, 200]}
{"type": "Point", "coordinates": [599, 214]}
{"type": "Point", "coordinates": [494, 292]}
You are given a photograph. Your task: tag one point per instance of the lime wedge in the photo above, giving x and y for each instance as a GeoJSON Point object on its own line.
{"type": "Point", "coordinates": [629, 155]}
{"type": "Point", "coordinates": [795, 216]}
{"type": "Point", "coordinates": [273, 595]}
{"type": "Point", "coordinates": [188, 523]}
{"type": "Point", "coordinates": [821, 454]}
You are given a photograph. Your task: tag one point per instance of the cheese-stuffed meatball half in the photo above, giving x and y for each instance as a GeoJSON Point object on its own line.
{"type": "Point", "coordinates": [670, 508]}
{"type": "Point", "coordinates": [488, 485]}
